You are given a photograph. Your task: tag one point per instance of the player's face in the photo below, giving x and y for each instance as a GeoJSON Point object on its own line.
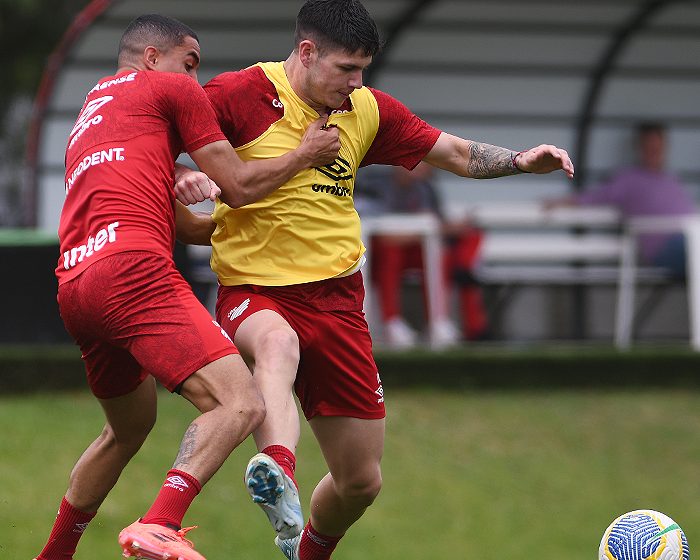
{"type": "Point", "coordinates": [333, 75]}
{"type": "Point", "coordinates": [183, 59]}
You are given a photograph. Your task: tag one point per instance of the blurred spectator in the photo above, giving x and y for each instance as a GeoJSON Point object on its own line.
{"type": "Point", "coordinates": [645, 189]}
{"type": "Point", "coordinates": [397, 190]}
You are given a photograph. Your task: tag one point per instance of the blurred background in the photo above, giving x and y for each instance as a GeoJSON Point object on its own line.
{"type": "Point", "coordinates": [514, 74]}
{"type": "Point", "coordinates": [575, 400]}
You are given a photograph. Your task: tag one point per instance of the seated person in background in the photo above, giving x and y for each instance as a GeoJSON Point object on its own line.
{"type": "Point", "coordinates": [398, 190]}
{"type": "Point", "coordinates": [645, 190]}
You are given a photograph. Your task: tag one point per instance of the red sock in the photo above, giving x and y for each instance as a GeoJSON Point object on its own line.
{"type": "Point", "coordinates": [285, 459]}
{"type": "Point", "coordinates": [176, 495]}
{"type": "Point", "coordinates": [67, 529]}
{"type": "Point", "coordinates": [315, 546]}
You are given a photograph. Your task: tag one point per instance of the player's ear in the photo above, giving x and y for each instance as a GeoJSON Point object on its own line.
{"type": "Point", "coordinates": [307, 50]}
{"type": "Point", "coordinates": [150, 57]}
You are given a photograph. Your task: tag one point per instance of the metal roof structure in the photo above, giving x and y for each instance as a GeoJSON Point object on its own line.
{"type": "Point", "coordinates": [507, 72]}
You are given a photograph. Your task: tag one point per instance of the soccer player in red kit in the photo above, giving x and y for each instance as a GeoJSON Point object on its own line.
{"type": "Point", "coordinates": [291, 293]}
{"type": "Point", "coordinates": [134, 317]}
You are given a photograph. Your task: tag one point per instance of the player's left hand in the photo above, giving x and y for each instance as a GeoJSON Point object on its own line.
{"type": "Point", "coordinates": [545, 159]}
{"type": "Point", "coordinates": [194, 186]}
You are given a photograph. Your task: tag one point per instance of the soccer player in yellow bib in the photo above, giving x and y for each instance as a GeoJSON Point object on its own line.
{"type": "Point", "coordinates": [291, 291]}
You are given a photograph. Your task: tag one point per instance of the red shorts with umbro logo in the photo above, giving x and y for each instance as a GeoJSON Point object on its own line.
{"type": "Point", "coordinates": [337, 374]}
{"type": "Point", "coordinates": [133, 314]}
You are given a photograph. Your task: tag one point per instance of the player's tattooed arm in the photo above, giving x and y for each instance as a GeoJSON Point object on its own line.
{"type": "Point", "coordinates": [477, 160]}
{"type": "Point", "coordinates": [468, 158]}
{"type": "Point", "coordinates": [487, 161]}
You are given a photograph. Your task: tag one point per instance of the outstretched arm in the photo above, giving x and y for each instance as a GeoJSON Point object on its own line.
{"type": "Point", "coordinates": [242, 182]}
{"type": "Point", "coordinates": [477, 160]}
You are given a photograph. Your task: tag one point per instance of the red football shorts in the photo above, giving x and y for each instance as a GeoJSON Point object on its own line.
{"type": "Point", "coordinates": [132, 314]}
{"type": "Point", "coordinates": [337, 375]}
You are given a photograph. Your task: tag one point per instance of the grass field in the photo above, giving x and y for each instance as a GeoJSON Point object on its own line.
{"type": "Point", "coordinates": [468, 474]}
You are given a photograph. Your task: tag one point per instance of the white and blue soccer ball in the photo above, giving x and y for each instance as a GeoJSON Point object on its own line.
{"type": "Point", "coordinates": [644, 534]}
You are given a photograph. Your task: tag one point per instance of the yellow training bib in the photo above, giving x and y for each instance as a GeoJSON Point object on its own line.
{"type": "Point", "coordinates": [308, 229]}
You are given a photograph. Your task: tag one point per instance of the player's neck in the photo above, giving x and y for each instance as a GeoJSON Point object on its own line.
{"type": "Point", "coordinates": [294, 70]}
{"type": "Point", "coordinates": [127, 68]}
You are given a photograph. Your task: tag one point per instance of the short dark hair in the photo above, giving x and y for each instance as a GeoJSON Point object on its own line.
{"type": "Point", "coordinates": [153, 29]}
{"type": "Point", "coordinates": [338, 23]}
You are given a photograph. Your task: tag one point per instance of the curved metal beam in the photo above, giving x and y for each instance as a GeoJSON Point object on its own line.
{"type": "Point", "coordinates": [393, 32]}
{"type": "Point", "coordinates": [79, 25]}
{"type": "Point", "coordinates": [600, 74]}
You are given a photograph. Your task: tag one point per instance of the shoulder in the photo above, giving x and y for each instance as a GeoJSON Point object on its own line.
{"type": "Point", "coordinates": [172, 84]}
{"type": "Point", "coordinates": [169, 79]}
{"type": "Point", "coordinates": [245, 102]}
{"type": "Point", "coordinates": [388, 105]}
{"type": "Point", "coordinates": [239, 81]}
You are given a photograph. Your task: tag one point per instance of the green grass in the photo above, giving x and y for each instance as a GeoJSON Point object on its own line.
{"type": "Point", "coordinates": [467, 474]}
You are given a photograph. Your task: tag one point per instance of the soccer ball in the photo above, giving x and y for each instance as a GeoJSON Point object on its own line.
{"type": "Point", "coordinates": [643, 534]}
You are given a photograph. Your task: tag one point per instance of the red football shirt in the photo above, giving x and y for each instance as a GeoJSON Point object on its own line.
{"type": "Point", "coordinates": [120, 165]}
{"type": "Point", "coordinates": [246, 103]}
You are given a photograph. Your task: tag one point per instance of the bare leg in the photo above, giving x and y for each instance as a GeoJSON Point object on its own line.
{"type": "Point", "coordinates": [223, 390]}
{"type": "Point", "coordinates": [231, 406]}
{"type": "Point", "coordinates": [353, 450]}
{"type": "Point", "coordinates": [271, 348]}
{"type": "Point", "coordinates": [129, 420]}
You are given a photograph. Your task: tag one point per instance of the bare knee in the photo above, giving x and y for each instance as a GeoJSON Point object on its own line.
{"type": "Point", "coordinates": [281, 342]}
{"type": "Point", "coordinates": [360, 488]}
{"type": "Point", "coordinates": [252, 409]}
{"type": "Point", "coordinates": [225, 385]}
{"type": "Point", "coordinates": [242, 406]}
{"type": "Point", "coordinates": [128, 441]}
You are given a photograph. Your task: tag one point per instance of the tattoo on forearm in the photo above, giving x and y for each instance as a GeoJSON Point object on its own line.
{"type": "Point", "coordinates": [187, 447]}
{"type": "Point", "coordinates": [487, 161]}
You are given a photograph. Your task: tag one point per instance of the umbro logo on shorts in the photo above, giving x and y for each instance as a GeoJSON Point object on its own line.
{"type": "Point", "coordinates": [238, 311]}
{"type": "Point", "coordinates": [380, 390]}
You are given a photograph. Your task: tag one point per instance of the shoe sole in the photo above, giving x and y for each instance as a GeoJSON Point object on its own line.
{"type": "Point", "coordinates": [135, 550]}
{"type": "Point", "coordinates": [265, 481]}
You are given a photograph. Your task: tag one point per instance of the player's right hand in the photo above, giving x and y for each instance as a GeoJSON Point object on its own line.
{"type": "Point", "coordinates": [194, 186]}
{"type": "Point", "coordinates": [321, 143]}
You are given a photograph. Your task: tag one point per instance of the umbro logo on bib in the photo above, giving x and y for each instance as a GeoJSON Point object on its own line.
{"type": "Point", "coordinates": [339, 170]}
